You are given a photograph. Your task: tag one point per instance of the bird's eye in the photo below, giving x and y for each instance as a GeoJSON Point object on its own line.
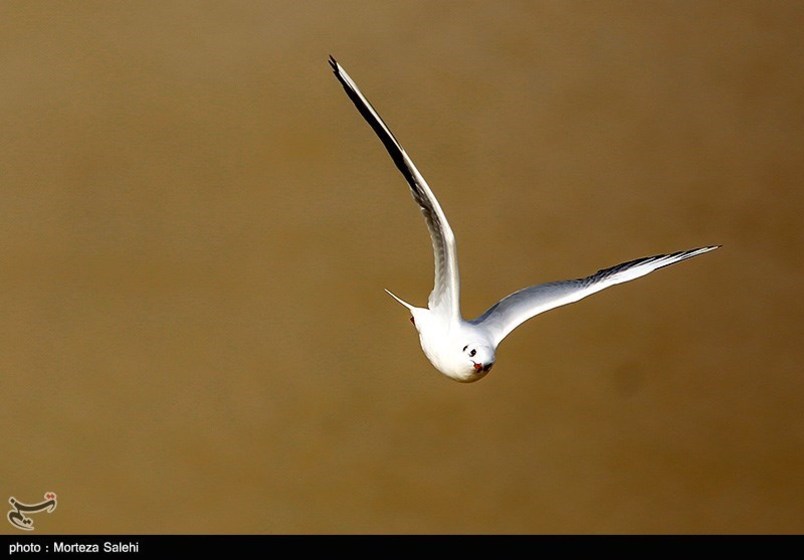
{"type": "Point", "coordinates": [465, 347]}
{"type": "Point", "coordinates": [472, 353]}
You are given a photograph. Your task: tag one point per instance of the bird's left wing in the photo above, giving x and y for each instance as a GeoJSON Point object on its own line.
{"type": "Point", "coordinates": [513, 310]}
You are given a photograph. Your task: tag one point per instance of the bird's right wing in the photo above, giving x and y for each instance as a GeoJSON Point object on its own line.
{"type": "Point", "coordinates": [445, 295]}
{"type": "Point", "coordinates": [513, 310]}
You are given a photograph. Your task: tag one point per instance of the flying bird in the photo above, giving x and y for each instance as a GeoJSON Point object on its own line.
{"type": "Point", "coordinates": [466, 350]}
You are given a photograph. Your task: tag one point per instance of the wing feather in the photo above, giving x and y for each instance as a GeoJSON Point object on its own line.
{"type": "Point", "coordinates": [513, 310]}
{"type": "Point", "coordinates": [446, 286]}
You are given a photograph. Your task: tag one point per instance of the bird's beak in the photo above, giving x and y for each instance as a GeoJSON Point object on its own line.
{"type": "Point", "coordinates": [484, 368]}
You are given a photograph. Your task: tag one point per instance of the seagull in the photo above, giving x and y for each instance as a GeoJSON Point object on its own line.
{"type": "Point", "coordinates": [466, 350]}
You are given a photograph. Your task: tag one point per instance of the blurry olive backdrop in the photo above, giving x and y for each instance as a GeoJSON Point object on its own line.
{"type": "Point", "coordinates": [196, 227]}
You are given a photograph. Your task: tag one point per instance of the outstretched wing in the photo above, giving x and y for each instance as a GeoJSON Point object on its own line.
{"type": "Point", "coordinates": [513, 310]}
{"type": "Point", "coordinates": [445, 295]}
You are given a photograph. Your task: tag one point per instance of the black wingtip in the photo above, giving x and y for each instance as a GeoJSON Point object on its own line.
{"type": "Point", "coordinates": [333, 63]}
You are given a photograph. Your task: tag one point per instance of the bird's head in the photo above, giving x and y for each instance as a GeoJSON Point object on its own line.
{"type": "Point", "coordinates": [474, 361]}
{"type": "Point", "coordinates": [461, 360]}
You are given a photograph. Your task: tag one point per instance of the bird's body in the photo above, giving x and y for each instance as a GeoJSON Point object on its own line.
{"type": "Point", "coordinates": [437, 335]}
{"type": "Point", "coordinates": [466, 350]}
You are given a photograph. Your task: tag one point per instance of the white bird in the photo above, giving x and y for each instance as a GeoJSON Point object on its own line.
{"type": "Point", "coordinates": [465, 350]}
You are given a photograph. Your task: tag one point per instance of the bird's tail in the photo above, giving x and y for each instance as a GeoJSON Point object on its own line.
{"type": "Point", "coordinates": [406, 304]}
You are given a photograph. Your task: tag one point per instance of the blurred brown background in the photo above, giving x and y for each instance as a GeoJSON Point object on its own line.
{"type": "Point", "coordinates": [196, 228]}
